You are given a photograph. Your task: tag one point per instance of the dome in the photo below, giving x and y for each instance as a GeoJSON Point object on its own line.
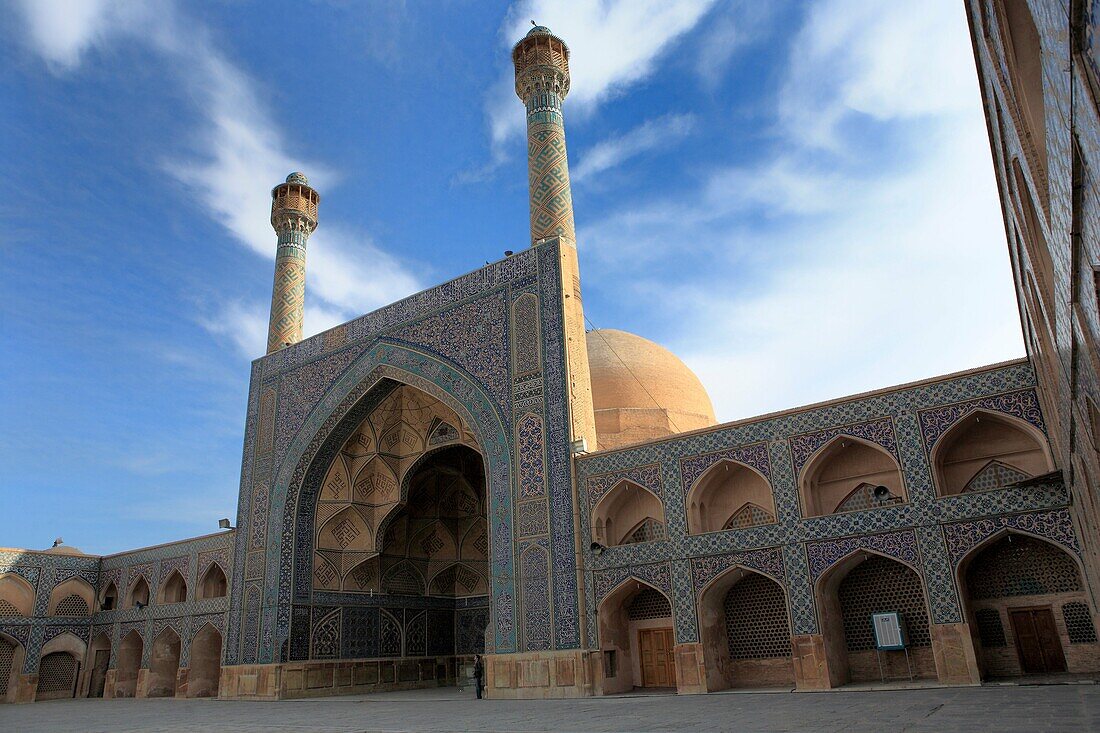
{"type": "Point", "coordinates": [539, 30]}
{"type": "Point", "coordinates": [641, 390]}
{"type": "Point", "coordinates": [297, 177]}
{"type": "Point", "coordinates": [63, 549]}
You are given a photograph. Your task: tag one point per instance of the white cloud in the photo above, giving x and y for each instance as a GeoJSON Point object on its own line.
{"type": "Point", "coordinates": [613, 44]}
{"type": "Point", "coordinates": [835, 264]}
{"type": "Point", "coordinates": [661, 132]}
{"type": "Point", "coordinates": [238, 156]}
{"type": "Point", "coordinates": [244, 324]}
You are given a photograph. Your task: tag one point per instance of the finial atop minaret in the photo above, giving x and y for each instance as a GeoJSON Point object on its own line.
{"type": "Point", "coordinates": [294, 217]}
{"type": "Point", "coordinates": [542, 81]}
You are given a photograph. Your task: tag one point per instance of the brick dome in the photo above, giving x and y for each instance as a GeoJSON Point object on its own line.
{"type": "Point", "coordinates": [641, 390]}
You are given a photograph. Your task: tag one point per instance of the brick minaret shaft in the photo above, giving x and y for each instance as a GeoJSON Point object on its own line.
{"type": "Point", "coordinates": [294, 217]}
{"type": "Point", "coordinates": [542, 81]}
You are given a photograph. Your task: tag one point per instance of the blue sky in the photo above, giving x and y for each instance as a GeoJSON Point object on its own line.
{"type": "Point", "coordinates": [797, 198]}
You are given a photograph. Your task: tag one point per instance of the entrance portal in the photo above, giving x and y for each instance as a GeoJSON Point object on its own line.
{"type": "Point", "coordinates": [1037, 640]}
{"type": "Point", "coordinates": [656, 657]}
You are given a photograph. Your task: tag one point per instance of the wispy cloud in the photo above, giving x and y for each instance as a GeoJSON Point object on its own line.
{"type": "Point", "coordinates": [614, 43]}
{"type": "Point", "coordinates": [851, 253]}
{"type": "Point", "coordinates": [235, 159]}
{"type": "Point", "coordinates": [662, 132]}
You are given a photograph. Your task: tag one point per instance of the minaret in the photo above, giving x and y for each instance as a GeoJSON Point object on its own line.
{"type": "Point", "coordinates": [294, 217]}
{"type": "Point", "coordinates": [542, 81]}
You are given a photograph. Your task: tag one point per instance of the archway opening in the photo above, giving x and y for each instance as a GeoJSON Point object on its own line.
{"type": "Point", "coordinates": [1024, 58]}
{"type": "Point", "coordinates": [1028, 609]}
{"type": "Point", "coordinates": [864, 584]}
{"type": "Point", "coordinates": [628, 514]}
{"type": "Point", "coordinates": [129, 662]}
{"type": "Point", "coordinates": [401, 533]}
{"type": "Point", "coordinates": [99, 657]}
{"type": "Point", "coordinates": [174, 589]}
{"type": "Point", "coordinates": [57, 675]}
{"type": "Point", "coordinates": [636, 638]}
{"type": "Point", "coordinates": [987, 451]}
{"type": "Point", "coordinates": [74, 597]}
{"type": "Point", "coordinates": [16, 597]}
{"type": "Point", "coordinates": [206, 663]}
{"type": "Point", "coordinates": [164, 664]}
{"type": "Point", "coordinates": [213, 583]}
{"type": "Point", "coordinates": [729, 495]}
{"type": "Point", "coordinates": [11, 662]}
{"type": "Point", "coordinates": [139, 593]}
{"type": "Point", "coordinates": [110, 598]}
{"type": "Point", "coordinates": [851, 475]}
{"type": "Point", "coordinates": [746, 632]}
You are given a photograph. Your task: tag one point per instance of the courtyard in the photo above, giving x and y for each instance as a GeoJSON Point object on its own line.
{"type": "Point", "coordinates": [1055, 708]}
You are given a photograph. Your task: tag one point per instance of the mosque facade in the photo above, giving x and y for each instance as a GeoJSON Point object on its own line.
{"type": "Point", "coordinates": [467, 471]}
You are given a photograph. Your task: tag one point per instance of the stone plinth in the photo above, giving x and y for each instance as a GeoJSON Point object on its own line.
{"type": "Point", "coordinates": [691, 671]}
{"type": "Point", "coordinates": [811, 665]}
{"type": "Point", "coordinates": [540, 675]}
{"type": "Point", "coordinates": [956, 661]}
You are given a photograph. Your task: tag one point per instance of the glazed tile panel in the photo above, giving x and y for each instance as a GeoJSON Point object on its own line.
{"type": "Point", "coordinates": [926, 533]}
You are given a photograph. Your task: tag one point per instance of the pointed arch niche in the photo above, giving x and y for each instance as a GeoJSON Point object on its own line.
{"type": "Point", "coordinates": [745, 630]}
{"type": "Point", "coordinates": [74, 597]}
{"type": "Point", "coordinates": [729, 495]}
{"type": "Point", "coordinates": [988, 450]}
{"type": "Point", "coordinates": [846, 469]}
{"type": "Point", "coordinates": [631, 615]}
{"type": "Point", "coordinates": [628, 514]}
{"type": "Point", "coordinates": [16, 596]}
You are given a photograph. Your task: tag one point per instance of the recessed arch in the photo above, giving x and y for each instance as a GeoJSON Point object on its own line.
{"type": "Point", "coordinates": [16, 596]}
{"type": "Point", "coordinates": [722, 492]}
{"type": "Point", "coordinates": [976, 440]}
{"type": "Point", "coordinates": [59, 667]}
{"type": "Point", "coordinates": [164, 663]}
{"type": "Point", "coordinates": [108, 601]}
{"type": "Point", "coordinates": [1023, 52]}
{"type": "Point", "coordinates": [622, 511]}
{"type": "Point", "coordinates": [173, 589]}
{"type": "Point", "coordinates": [863, 582]}
{"type": "Point", "coordinates": [842, 465]}
{"type": "Point", "coordinates": [73, 597]}
{"type": "Point", "coordinates": [99, 661]}
{"type": "Point", "coordinates": [205, 669]}
{"type": "Point", "coordinates": [12, 653]}
{"type": "Point", "coordinates": [744, 627]}
{"type": "Point", "coordinates": [129, 662]}
{"type": "Point", "coordinates": [1015, 579]}
{"type": "Point", "coordinates": [213, 583]}
{"type": "Point", "coordinates": [632, 613]}
{"type": "Point", "coordinates": [138, 593]}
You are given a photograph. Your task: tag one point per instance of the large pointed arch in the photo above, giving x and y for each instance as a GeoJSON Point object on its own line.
{"type": "Point", "coordinates": [841, 465]}
{"type": "Point", "coordinates": [164, 664]}
{"type": "Point", "coordinates": [12, 653]}
{"type": "Point", "coordinates": [204, 676]}
{"type": "Point", "coordinates": [378, 371]}
{"type": "Point", "coordinates": [722, 491]}
{"type": "Point", "coordinates": [16, 596]}
{"type": "Point", "coordinates": [981, 436]}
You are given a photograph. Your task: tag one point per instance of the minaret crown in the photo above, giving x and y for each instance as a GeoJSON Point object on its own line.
{"type": "Point", "coordinates": [542, 64]}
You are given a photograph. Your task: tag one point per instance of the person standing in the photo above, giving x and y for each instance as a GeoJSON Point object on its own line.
{"type": "Point", "coordinates": [479, 674]}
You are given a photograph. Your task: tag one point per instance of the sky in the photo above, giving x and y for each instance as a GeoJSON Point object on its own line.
{"type": "Point", "coordinates": [797, 198]}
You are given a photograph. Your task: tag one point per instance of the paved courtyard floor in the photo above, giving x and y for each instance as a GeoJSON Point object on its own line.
{"type": "Point", "coordinates": [1055, 708]}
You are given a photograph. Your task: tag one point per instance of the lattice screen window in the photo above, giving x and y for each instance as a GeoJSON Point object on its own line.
{"type": "Point", "coordinates": [756, 619]}
{"type": "Point", "coordinates": [994, 475]}
{"type": "Point", "coordinates": [863, 497]}
{"type": "Point", "coordinates": [8, 610]}
{"type": "Point", "coordinates": [7, 658]}
{"type": "Point", "coordinates": [990, 629]}
{"type": "Point", "coordinates": [57, 673]}
{"type": "Point", "coordinates": [1079, 624]}
{"type": "Point", "coordinates": [389, 636]}
{"type": "Point", "coordinates": [649, 603]}
{"type": "Point", "coordinates": [749, 515]}
{"type": "Point", "coordinates": [648, 531]}
{"type": "Point", "coordinates": [72, 605]}
{"type": "Point", "coordinates": [403, 582]}
{"type": "Point", "coordinates": [1021, 566]}
{"type": "Point", "coordinates": [880, 584]}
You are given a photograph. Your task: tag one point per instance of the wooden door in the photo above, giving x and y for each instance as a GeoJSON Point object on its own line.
{"type": "Point", "coordinates": [1037, 640]}
{"type": "Point", "coordinates": [657, 663]}
{"type": "Point", "coordinates": [99, 672]}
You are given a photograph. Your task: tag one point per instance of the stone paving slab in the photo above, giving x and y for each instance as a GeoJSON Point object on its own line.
{"type": "Point", "coordinates": [1054, 708]}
